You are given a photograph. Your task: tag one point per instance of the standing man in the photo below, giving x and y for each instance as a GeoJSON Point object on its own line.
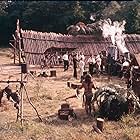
{"type": "Point", "coordinates": [91, 62]}
{"type": "Point", "coordinates": [81, 55]}
{"type": "Point", "coordinates": [81, 66]}
{"type": "Point", "coordinates": [98, 63]}
{"type": "Point", "coordinates": [125, 68]}
{"type": "Point", "coordinates": [75, 60]}
{"type": "Point", "coordinates": [66, 61]}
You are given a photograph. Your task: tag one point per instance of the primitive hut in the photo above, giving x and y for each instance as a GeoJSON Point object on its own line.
{"type": "Point", "coordinates": [37, 44]}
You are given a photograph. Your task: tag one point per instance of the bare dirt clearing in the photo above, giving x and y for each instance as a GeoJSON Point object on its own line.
{"type": "Point", "coordinates": [47, 94]}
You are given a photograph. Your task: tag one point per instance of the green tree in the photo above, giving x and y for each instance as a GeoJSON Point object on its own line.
{"type": "Point", "coordinates": [111, 10]}
{"type": "Point", "coordinates": [56, 16]}
{"type": "Point", "coordinates": [3, 22]}
{"type": "Point", "coordinates": [130, 11]}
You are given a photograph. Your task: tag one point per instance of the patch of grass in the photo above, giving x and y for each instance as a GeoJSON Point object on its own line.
{"type": "Point", "coordinates": [45, 96]}
{"type": "Point", "coordinates": [10, 130]}
{"type": "Point", "coordinates": [130, 128]}
{"type": "Point", "coordinates": [31, 130]}
{"type": "Point", "coordinates": [67, 89]}
{"type": "Point", "coordinates": [38, 87]}
{"type": "Point", "coordinates": [126, 137]}
{"type": "Point", "coordinates": [128, 120]}
{"type": "Point", "coordinates": [34, 130]}
{"type": "Point", "coordinates": [131, 133]}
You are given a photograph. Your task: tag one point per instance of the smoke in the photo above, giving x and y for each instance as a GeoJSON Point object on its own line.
{"type": "Point", "coordinates": [115, 31]}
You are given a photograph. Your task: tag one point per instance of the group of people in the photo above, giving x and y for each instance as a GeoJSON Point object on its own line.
{"type": "Point", "coordinates": [78, 59]}
{"type": "Point", "coordinates": [96, 64]}
{"type": "Point", "coordinates": [88, 84]}
{"type": "Point", "coordinates": [117, 67]}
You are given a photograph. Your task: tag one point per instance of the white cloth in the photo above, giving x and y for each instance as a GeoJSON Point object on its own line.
{"type": "Point", "coordinates": [98, 60]}
{"type": "Point", "coordinates": [91, 60]}
{"type": "Point", "coordinates": [82, 56]}
{"type": "Point", "coordinates": [126, 64]}
{"type": "Point", "coordinates": [81, 66]}
{"type": "Point", "coordinates": [65, 57]}
{"type": "Point", "coordinates": [81, 63]}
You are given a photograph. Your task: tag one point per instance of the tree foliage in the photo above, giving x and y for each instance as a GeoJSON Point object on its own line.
{"type": "Point", "coordinates": [56, 16]}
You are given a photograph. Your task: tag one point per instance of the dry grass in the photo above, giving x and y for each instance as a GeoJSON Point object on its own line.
{"type": "Point", "coordinates": [47, 94]}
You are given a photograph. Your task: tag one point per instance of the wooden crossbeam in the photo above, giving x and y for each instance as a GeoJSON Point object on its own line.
{"type": "Point", "coordinates": [12, 81]}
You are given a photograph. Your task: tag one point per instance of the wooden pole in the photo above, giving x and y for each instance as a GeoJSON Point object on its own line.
{"type": "Point", "coordinates": [18, 38]}
{"type": "Point", "coordinates": [14, 56]}
{"type": "Point", "coordinates": [12, 46]}
{"type": "Point", "coordinates": [21, 93]}
{"type": "Point", "coordinates": [19, 43]}
{"type": "Point", "coordinates": [11, 81]}
{"type": "Point", "coordinates": [15, 44]}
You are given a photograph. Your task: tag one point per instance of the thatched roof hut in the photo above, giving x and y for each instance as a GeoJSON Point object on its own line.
{"type": "Point", "coordinates": [37, 43]}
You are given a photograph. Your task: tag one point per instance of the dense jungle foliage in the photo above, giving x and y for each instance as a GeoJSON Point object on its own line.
{"type": "Point", "coordinates": [56, 16]}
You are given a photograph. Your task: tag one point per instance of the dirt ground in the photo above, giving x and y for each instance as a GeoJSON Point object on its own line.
{"type": "Point", "coordinates": [47, 95]}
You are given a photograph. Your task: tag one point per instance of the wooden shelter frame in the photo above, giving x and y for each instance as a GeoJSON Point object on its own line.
{"type": "Point", "coordinates": [19, 51]}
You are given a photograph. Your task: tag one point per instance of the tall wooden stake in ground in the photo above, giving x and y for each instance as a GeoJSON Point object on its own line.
{"type": "Point", "coordinates": [18, 37]}
{"type": "Point", "coordinates": [21, 86]}
{"type": "Point", "coordinates": [21, 93]}
{"type": "Point", "coordinates": [23, 71]}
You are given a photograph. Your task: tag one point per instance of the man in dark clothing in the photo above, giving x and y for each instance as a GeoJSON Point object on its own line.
{"type": "Point", "coordinates": [110, 63]}
{"type": "Point", "coordinates": [91, 63]}
{"type": "Point", "coordinates": [75, 60]}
